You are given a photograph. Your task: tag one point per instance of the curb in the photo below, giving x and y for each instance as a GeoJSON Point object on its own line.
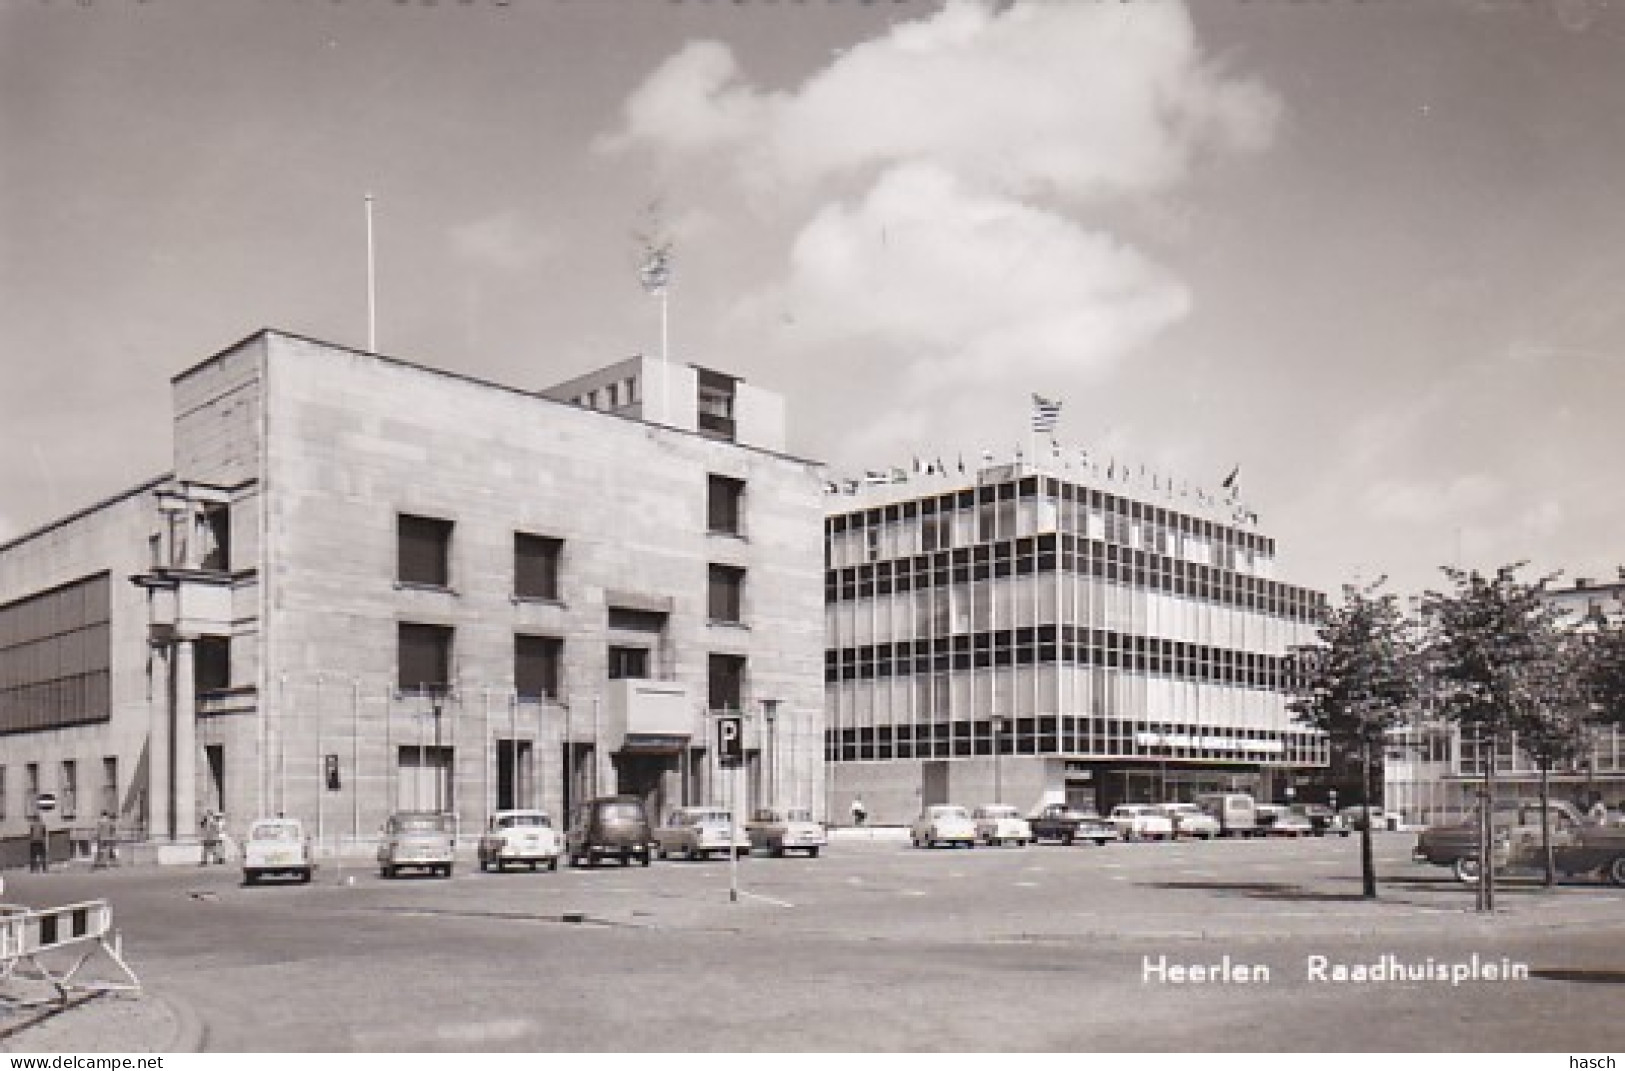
{"type": "Point", "coordinates": [190, 1029]}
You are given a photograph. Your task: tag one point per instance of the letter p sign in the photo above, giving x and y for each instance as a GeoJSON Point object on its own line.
{"type": "Point", "coordinates": [731, 739]}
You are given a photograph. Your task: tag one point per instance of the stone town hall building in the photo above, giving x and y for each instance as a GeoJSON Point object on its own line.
{"type": "Point", "coordinates": [368, 584]}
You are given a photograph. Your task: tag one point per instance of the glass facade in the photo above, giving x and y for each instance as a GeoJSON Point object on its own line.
{"type": "Point", "coordinates": [1095, 625]}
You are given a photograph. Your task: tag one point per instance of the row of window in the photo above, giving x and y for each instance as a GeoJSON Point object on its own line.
{"type": "Point", "coordinates": [1036, 504]}
{"type": "Point", "coordinates": [66, 789]}
{"type": "Point", "coordinates": [55, 657]}
{"type": "Point", "coordinates": [424, 545]}
{"type": "Point", "coordinates": [1072, 646]}
{"type": "Point", "coordinates": [1051, 735]}
{"type": "Point", "coordinates": [425, 661]}
{"type": "Point", "coordinates": [1075, 557]}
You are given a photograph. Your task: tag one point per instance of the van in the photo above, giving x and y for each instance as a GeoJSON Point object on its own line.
{"type": "Point", "coordinates": [1235, 812]}
{"type": "Point", "coordinates": [610, 827]}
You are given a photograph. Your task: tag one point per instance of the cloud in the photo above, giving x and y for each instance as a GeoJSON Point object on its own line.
{"type": "Point", "coordinates": [1077, 100]}
{"type": "Point", "coordinates": [1422, 502]}
{"type": "Point", "coordinates": [975, 284]}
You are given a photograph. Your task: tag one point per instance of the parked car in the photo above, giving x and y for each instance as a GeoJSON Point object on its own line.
{"type": "Point", "coordinates": [781, 831]}
{"type": "Point", "coordinates": [698, 832]}
{"type": "Point", "coordinates": [609, 827]}
{"type": "Point", "coordinates": [1322, 819]}
{"type": "Point", "coordinates": [1190, 820]}
{"type": "Point", "coordinates": [1000, 823]}
{"type": "Point", "coordinates": [1141, 821]}
{"type": "Point", "coordinates": [1057, 821]}
{"type": "Point", "coordinates": [277, 846]}
{"type": "Point", "coordinates": [1578, 847]}
{"type": "Point", "coordinates": [1354, 817]}
{"type": "Point", "coordinates": [943, 823]}
{"type": "Point", "coordinates": [420, 840]}
{"type": "Point", "coordinates": [1234, 811]}
{"type": "Point", "coordinates": [1279, 820]}
{"type": "Point", "coordinates": [522, 837]}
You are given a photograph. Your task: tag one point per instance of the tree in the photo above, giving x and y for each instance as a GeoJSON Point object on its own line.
{"type": "Point", "coordinates": [1355, 684]}
{"type": "Point", "coordinates": [1555, 729]}
{"type": "Point", "coordinates": [1604, 668]}
{"type": "Point", "coordinates": [1492, 650]}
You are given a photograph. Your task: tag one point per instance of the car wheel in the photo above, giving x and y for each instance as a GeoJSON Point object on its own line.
{"type": "Point", "coordinates": [1100, 842]}
{"type": "Point", "coordinates": [386, 871]}
{"type": "Point", "coordinates": [777, 851]}
{"type": "Point", "coordinates": [812, 853]}
{"type": "Point", "coordinates": [485, 864]}
{"type": "Point", "coordinates": [553, 863]}
{"type": "Point", "coordinates": [626, 860]}
{"type": "Point", "coordinates": [445, 871]}
{"type": "Point", "coordinates": [1066, 841]}
{"type": "Point", "coordinates": [1616, 870]}
{"type": "Point", "coordinates": [661, 852]}
{"type": "Point", "coordinates": [643, 860]}
{"type": "Point", "coordinates": [1467, 870]}
{"type": "Point", "coordinates": [250, 878]}
{"type": "Point", "coordinates": [305, 876]}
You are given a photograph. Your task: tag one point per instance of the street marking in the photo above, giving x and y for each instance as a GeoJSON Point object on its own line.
{"type": "Point", "coordinates": [1026, 884]}
{"type": "Point", "coordinates": [769, 899]}
{"type": "Point", "coordinates": [911, 892]}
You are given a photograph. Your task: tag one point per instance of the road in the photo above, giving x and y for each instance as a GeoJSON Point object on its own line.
{"type": "Point", "coordinates": [875, 946]}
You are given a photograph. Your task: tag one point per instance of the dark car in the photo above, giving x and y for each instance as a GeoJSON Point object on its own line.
{"type": "Point", "coordinates": [610, 827]}
{"type": "Point", "coordinates": [1322, 819]}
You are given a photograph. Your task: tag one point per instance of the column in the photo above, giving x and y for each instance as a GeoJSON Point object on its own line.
{"type": "Point", "coordinates": [185, 773]}
{"type": "Point", "coordinates": [160, 811]}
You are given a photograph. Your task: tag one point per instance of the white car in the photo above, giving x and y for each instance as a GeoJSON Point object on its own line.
{"type": "Point", "coordinates": [520, 837]}
{"type": "Point", "coordinates": [277, 846]}
{"type": "Point", "coordinates": [1141, 821]}
{"type": "Point", "coordinates": [781, 831]}
{"type": "Point", "coordinates": [697, 832]}
{"type": "Point", "coordinates": [943, 823]}
{"type": "Point", "coordinates": [999, 823]}
{"type": "Point", "coordinates": [1190, 820]}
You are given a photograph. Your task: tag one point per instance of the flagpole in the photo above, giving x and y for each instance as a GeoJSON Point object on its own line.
{"type": "Point", "coordinates": [372, 286]}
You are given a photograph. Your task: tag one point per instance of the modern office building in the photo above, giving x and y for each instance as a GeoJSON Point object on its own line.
{"type": "Point", "coordinates": [369, 584]}
{"type": "Point", "coordinates": [1039, 632]}
{"type": "Point", "coordinates": [1432, 772]}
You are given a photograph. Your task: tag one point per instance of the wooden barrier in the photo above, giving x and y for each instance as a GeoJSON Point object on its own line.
{"type": "Point", "coordinates": [27, 934]}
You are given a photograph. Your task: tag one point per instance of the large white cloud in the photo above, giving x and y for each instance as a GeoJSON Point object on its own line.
{"type": "Point", "coordinates": [1068, 98]}
{"type": "Point", "coordinates": [972, 285]}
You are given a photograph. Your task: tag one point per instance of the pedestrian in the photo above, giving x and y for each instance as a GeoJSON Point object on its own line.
{"type": "Point", "coordinates": [38, 845]}
{"type": "Point", "coordinates": [214, 825]}
{"type": "Point", "coordinates": [1598, 812]}
{"type": "Point", "coordinates": [860, 813]}
{"type": "Point", "coordinates": [106, 843]}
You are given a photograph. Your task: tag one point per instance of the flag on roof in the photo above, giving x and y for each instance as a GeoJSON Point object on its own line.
{"type": "Point", "coordinates": [1046, 414]}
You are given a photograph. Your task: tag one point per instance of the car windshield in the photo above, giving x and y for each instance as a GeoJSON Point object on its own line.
{"type": "Point", "coordinates": [512, 821]}
{"type": "Point", "coordinates": [274, 831]}
{"type": "Point", "coordinates": [423, 823]}
{"type": "Point", "coordinates": [708, 818]}
{"type": "Point", "coordinates": [798, 815]}
{"type": "Point", "coordinates": [1000, 812]}
{"type": "Point", "coordinates": [1180, 808]}
{"type": "Point", "coordinates": [621, 812]}
{"type": "Point", "coordinates": [948, 812]}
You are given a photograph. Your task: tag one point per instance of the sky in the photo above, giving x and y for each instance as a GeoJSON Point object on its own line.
{"type": "Point", "coordinates": [1367, 255]}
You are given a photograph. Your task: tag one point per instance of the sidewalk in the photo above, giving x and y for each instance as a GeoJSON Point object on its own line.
{"type": "Point", "coordinates": [99, 1023]}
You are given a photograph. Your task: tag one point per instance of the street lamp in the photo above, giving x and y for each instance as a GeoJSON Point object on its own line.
{"type": "Point", "coordinates": [998, 780]}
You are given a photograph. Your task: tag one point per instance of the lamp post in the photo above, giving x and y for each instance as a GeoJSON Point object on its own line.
{"type": "Point", "coordinates": [998, 779]}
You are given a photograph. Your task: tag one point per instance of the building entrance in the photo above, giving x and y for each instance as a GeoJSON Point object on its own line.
{"type": "Point", "coordinates": [643, 775]}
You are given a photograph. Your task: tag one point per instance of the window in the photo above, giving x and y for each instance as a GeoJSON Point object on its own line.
{"type": "Point", "coordinates": [716, 404]}
{"type": "Point", "coordinates": [70, 789]}
{"type": "Point", "coordinates": [55, 652]}
{"type": "Point", "coordinates": [110, 784]}
{"type": "Point", "coordinates": [725, 594]}
{"type": "Point", "coordinates": [536, 666]}
{"type": "Point", "coordinates": [628, 663]}
{"type": "Point", "coordinates": [424, 654]}
{"type": "Point", "coordinates": [726, 688]}
{"type": "Point", "coordinates": [2, 793]}
{"type": "Point", "coordinates": [31, 790]}
{"type": "Point", "coordinates": [536, 566]}
{"type": "Point", "coordinates": [212, 668]}
{"type": "Point", "coordinates": [424, 551]}
{"type": "Point", "coordinates": [724, 501]}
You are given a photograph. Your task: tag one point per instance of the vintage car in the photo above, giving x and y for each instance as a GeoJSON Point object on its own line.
{"type": "Point", "coordinates": [1578, 846]}
{"type": "Point", "coordinates": [1354, 817]}
{"type": "Point", "coordinates": [522, 838]}
{"type": "Point", "coordinates": [418, 840]}
{"type": "Point", "coordinates": [779, 830]}
{"type": "Point", "coordinates": [277, 846]}
{"type": "Point", "coordinates": [943, 823]}
{"type": "Point", "coordinates": [698, 832]}
{"type": "Point", "coordinates": [609, 827]}
{"type": "Point", "coordinates": [1000, 823]}
{"type": "Point", "coordinates": [1279, 820]}
{"type": "Point", "coordinates": [1057, 821]}
{"type": "Point", "coordinates": [1190, 820]}
{"type": "Point", "coordinates": [1141, 821]}
{"type": "Point", "coordinates": [1322, 819]}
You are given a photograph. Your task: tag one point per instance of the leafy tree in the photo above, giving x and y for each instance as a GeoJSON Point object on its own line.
{"type": "Point", "coordinates": [1555, 729]}
{"type": "Point", "coordinates": [1355, 684]}
{"type": "Point", "coordinates": [1604, 668]}
{"type": "Point", "coordinates": [1493, 651]}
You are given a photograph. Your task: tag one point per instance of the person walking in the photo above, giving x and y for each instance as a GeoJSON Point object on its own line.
{"type": "Point", "coordinates": [860, 813]}
{"type": "Point", "coordinates": [39, 839]}
{"type": "Point", "coordinates": [106, 843]}
{"type": "Point", "coordinates": [214, 826]}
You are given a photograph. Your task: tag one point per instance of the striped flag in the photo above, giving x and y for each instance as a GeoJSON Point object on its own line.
{"type": "Point", "coordinates": [1046, 414]}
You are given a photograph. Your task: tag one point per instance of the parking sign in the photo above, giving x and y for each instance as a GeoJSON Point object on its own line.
{"type": "Point", "coordinates": [731, 739]}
